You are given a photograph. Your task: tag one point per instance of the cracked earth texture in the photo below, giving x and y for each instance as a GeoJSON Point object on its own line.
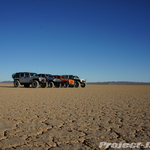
{"type": "Point", "coordinates": [73, 118]}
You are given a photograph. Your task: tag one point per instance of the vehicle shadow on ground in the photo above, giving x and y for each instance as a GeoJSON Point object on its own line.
{"type": "Point", "coordinates": [11, 87]}
{"type": "Point", "coordinates": [7, 87]}
{"type": "Point", "coordinates": [16, 87]}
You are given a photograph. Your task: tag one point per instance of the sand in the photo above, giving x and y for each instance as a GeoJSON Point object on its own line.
{"type": "Point", "coordinates": [73, 118]}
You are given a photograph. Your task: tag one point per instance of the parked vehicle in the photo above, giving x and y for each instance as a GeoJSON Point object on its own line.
{"type": "Point", "coordinates": [78, 82]}
{"type": "Point", "coordinates": [27, 79]}
{"type": "Point", "coordinates": [65, 82]}
{"type": "Point", "coordinates": [51, 81]}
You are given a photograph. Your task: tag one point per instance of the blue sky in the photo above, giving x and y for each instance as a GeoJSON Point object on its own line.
{"type": "Point", "coordinates": [99, 40]}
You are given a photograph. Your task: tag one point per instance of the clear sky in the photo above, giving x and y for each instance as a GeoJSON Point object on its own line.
{"type": "Point", "coordinates": [98, 40]}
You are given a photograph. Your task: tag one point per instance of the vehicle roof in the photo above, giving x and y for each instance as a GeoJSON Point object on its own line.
{"type": "Point", "coordinates": [69, 75]}
{"type": "Point", "coordinates": [61, 76]}
{"type": "Point", "coordinates": [26, 72]}
{"type": "Point", "coordinates": [44, 73]}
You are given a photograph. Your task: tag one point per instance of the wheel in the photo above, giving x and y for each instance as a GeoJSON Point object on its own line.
{"type": "Point", "coordinates": [26, 85]}
{"type": "Point", "coordinates": [16, 83]}
{"type": "Point", "coordinates": [50, 84]}
{"type": "Point", "coordinates": [35, 84]}
{"type": "Point", "coordinates": [44, 85]}
{"type": "Point", "coordinates": [83, 85]}
{"type": "Point", "coordinates": [59, 85]}
{"type": "Point", "coordinates": [66, 84]}
{"type": "Point", "coordinates": [77, 84]}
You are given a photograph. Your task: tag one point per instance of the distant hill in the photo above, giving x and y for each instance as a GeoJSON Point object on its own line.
{"type": "Point", "coordinates": [120, 83]}
{"type": "Point", "coordinates": [6, 82]}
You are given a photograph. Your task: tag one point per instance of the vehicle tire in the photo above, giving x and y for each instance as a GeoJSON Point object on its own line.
{"type": "Point", "coordinates": [44, 85]}
{"type": "Point", "coordinates": [77, 84]}
{"type": "Point", "coordinates": [26, 85]}
{"type": "Point", "coordinates": [83, 85]}
{"type": "Point", "coordinates": [16, 83]}
{"type": "Point", "coordinates": [50, 84]}
{"type": "Point", "coordinates": [59, 85]}
{"type": "Point", "coordinates": [35, 84]}
{"type": "Point", "coordinates": [66, 85]}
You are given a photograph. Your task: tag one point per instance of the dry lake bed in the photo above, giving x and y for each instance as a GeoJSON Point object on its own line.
{"type": "Point", "coordinates": [73, 118]}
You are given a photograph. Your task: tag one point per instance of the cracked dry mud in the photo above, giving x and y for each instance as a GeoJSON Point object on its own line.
{"type": "Point", "coordinates": [73, 118]}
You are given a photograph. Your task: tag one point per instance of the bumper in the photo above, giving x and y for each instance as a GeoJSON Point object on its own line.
{"type": "Point", "coordinates": [71, 84]}
{"type": "Point", "coordinates": [42, 81]}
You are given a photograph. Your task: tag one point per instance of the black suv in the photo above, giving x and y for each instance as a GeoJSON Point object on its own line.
{"type": "Point", "coordinates": [27, 79]}
{"type": "Point", "coordinates": [51, 81]}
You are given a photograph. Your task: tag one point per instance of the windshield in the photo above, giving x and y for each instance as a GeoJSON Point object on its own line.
{"type": "Point", "coordinates": [33, 74]}
{"type": "Point", "coordinates": [64, 77]}
{"type": "Point", "coordinates": [76, 77]}
{"type": "Point", "coordinates": [50, 76]}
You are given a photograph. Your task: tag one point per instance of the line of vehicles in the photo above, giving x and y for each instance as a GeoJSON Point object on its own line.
{"type": "Point", "coordinates": [47, 80]}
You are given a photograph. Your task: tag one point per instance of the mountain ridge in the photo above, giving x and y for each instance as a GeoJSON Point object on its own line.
{"type": "Point", "coordinates": [120, 83]}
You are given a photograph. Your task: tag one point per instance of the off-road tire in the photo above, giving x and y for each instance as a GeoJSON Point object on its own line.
{"type": "Point", "coordinates": [83, 85]}
{"type": "Point", "coordinates": [50, 84]}
{"type": "Point", "coordinates": [59, 85]}
{"type": "Point", "coordinates": [77, 84]}
{"type": "Point", "coordinates": [35, 84]}
{"type": "Point", "coordinates": [26, 85]}
{"type": "Point", "coordinates": [44, 85]}
{"type": "Point", "coordinates": [16, 83]}
{"type": "Point", "coordinates": [66, 85]}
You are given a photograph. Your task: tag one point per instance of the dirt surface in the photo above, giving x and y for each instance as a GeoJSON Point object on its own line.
{"type": "Point", "coordinates": [73, 118]}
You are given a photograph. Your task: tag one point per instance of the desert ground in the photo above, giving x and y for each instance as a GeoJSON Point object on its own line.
{"type": "Point", "coordinates": [73, 118]}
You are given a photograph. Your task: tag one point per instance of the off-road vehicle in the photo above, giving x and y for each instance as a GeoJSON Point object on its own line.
{"type": "Point", "coordinates": [65, 82]}
{"type": "Point", "coordinates": [27, 79]}
{"type": "Point", "coordinates": [51, 81]}
{"type": "Point", "coordinates": [77, 80]}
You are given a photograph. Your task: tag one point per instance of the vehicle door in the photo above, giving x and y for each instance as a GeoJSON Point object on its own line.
{"type": "Point", "coordinates": [26, 78]}
{"type": "Point", "coordinates": [21, 77]}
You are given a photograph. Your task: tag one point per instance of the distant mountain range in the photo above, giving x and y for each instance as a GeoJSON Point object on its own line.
{"type": "Point", "coordinates": [120, 83]}
{"type": "Point", "coordinates": [6, 82]}
{"type": "Point", "coordinates": [107, 83]}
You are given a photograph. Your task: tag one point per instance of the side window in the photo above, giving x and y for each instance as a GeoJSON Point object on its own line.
{"type": "Point", "coordinates": [27, 75]}
{"type": "Point", "coordinates": [22, 75]}
{"type": "Point", "coordinates": [58, 77]}
{"type": "Point", "coordinates": [17, 75]}
{"type": "Point", "coordinates": [43, 75]}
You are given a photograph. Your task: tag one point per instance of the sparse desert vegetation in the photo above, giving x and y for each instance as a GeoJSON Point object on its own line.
{"type": "Point", "coordinates": [73, 118]}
